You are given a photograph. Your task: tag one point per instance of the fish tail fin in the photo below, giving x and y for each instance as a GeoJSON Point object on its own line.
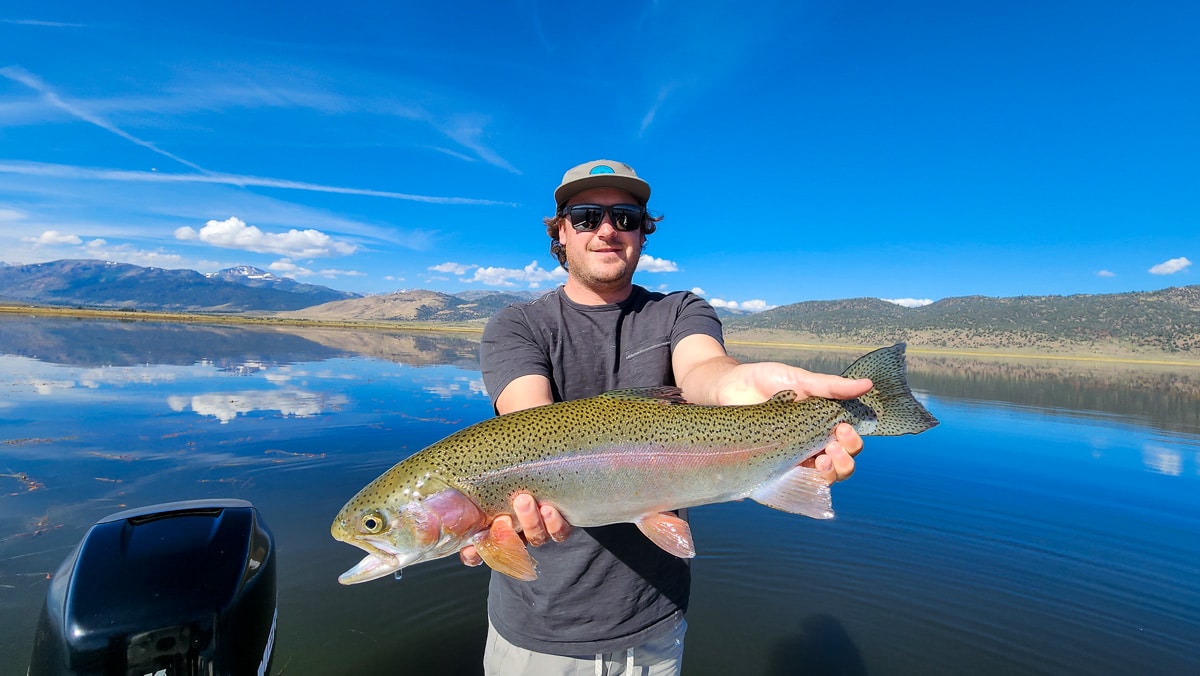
{"type": "Point", "coordinates": [895, 410]}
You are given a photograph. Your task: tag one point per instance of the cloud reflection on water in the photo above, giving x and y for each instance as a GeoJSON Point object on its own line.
{"type": "Point", "coordinates": [227, 406]}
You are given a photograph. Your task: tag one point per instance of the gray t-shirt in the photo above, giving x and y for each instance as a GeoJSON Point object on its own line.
{"type": "Point", "coordinates": [605, 588]}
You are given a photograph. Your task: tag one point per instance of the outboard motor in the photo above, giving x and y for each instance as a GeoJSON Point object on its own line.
{"type": "Point", "coordinates": [178, 589]}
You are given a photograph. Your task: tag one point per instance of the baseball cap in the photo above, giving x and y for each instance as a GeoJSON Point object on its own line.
{"type": "Point", "coordinates": [601, 174]}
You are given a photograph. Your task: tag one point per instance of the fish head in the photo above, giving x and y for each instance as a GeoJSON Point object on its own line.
{"type": "Point", "coordinates": [400, 528]}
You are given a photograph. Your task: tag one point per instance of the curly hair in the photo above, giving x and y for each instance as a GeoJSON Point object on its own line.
{"type": "Point", "coordinates": [556, 247]}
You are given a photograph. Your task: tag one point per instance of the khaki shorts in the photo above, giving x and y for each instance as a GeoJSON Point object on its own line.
{"type": "Point", "coordinates": [661, 657]}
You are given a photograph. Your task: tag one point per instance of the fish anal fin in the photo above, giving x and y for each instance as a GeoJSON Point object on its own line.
{"type": "Point", "coordinates": [503, 550]}
{"type": "Point", "coordinates": [800, 490]}
{"type": "Point", "coordinates": [669, 532]}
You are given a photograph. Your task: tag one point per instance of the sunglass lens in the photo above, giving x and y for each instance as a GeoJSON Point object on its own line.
{"type": "Point", "coordinates": [586, 217]}
{"type": "Point", "coordinates": [626, 218]}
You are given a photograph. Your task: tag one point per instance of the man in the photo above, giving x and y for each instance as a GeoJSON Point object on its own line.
{"type": "Point", "coordinates": [607, 600]}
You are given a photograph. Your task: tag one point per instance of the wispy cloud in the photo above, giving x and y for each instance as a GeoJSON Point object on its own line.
{"type": "Point", "coordinates": [1105, 273]}
{"type": "Point", "coordinates": [466, 129]}
{"type": "Point", "coordinates": [70, 172]}
{"type": "Point", "coordinates": [234, 233]}
{"type": "Point", "coordinates": [44, 24]}
{"type": "Point", "coordinates": [33, 82]}
{"type": "Point", "coordinates": [1171, 267]}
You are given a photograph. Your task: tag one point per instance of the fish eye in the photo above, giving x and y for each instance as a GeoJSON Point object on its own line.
{"type": "Point", "coordinates": [372, 522]}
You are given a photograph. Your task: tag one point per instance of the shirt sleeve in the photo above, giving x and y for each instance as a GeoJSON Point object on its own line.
{"type": "Point", "coordinates": [510, 349]}
{"type": "Point", "coordinates": [695, 316]}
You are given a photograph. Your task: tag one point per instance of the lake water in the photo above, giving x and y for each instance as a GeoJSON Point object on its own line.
{"type": "Point", "coordinates": [1050, 524]}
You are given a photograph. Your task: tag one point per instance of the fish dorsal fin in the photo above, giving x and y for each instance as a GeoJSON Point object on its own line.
{"type": "Point", "coordinates": [663, 395]}
{"type": "Point", "coordinates": [784, 397]}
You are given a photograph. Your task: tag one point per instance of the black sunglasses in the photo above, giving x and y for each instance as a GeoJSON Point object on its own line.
{"type": "Point", "coordinates": [587, 217]}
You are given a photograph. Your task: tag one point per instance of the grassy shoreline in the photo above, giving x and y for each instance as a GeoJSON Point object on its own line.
{"type": "Point", "coordinates": [247, 319]}
{"type": "Point", "coordinates": [780, 342]}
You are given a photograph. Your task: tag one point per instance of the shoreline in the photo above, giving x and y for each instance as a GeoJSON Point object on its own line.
{"type": "Point", "coordinates": [1163, 359]}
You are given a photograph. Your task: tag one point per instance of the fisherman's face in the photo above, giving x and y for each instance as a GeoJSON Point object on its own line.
{"type": "Point", "coordinates": [605, 258]}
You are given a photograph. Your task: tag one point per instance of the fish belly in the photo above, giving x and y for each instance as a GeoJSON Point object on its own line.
{"type": "Point", "coordinates": [624, 483]}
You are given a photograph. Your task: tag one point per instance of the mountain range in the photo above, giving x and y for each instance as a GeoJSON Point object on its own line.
{"type": "Point", "coordinates": [1165, 321]}
{"type": "Point", "coordinates": [104, 284]}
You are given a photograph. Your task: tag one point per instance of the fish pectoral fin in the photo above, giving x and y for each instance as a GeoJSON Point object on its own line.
{"type": "Point", "coordinates": [504, 551]}
{"type": "Point", "coordinates": [669, 532]}
{"type": "Point", "coordinates": [801, 490]}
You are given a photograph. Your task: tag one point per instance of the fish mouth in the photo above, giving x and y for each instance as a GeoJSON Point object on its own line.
{"type": "Point", "coordinates": [381, 559]}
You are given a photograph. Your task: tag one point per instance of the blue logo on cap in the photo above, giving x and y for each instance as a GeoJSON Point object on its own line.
{"type": "Point", "coordinates": [602, 169]}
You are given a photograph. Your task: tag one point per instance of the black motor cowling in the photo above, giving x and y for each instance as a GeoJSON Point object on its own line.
{"type": "Point", "coordinates": [178, 589]}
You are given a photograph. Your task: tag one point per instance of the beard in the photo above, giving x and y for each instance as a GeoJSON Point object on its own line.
{"type": "Point", "coordinates": [608, 276]}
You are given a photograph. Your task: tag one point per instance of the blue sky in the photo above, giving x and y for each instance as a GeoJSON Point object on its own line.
{"type": "Point", "coordinates": [798, 150]}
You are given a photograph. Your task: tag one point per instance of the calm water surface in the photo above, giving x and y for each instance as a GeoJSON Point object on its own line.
{"type": "Point", "coordinates": [1051, 524]}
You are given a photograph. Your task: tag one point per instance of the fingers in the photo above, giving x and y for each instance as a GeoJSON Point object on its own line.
{"type": "Point", "coordinates": [836, 462]}
{"type": "Point", "coordinates": [840, 452]}
{"type": "Point", "coordinates": [539, 522]}
{"type": "Point", "coordinates": [469, 556]}
{"type": "Point", "coordinates": [556, 525]}
{"type": "Point", "coordinates": [530, 519]}
{"type": "Point", "coordinates": [836, 387]}
{"type": "Point", "coordinates": [848, 438]}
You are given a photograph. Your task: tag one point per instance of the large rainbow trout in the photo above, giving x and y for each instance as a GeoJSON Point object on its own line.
{"type": "Point", "coordinates": [624, 456]}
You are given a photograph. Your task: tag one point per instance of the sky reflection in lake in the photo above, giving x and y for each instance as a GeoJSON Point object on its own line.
{"type": "Point", "coordinates": [1050, 525]}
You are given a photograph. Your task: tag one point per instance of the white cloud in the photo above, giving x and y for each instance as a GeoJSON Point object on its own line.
{"type": "Point", "coordinates": [286, 267]}
{"type": "Point", "coordinates": [698, 291]}
{"type": "Point", "coordinates": [1171, 267]}
{"type": "Point", "coordinates": [52, 237]}
{"type": "Point", "coordinates": [126, 253]}
{"type": "Point", "coordinates": [1105, 273]}
{"type": "Point", "coordinates": [649, 263]}
{"type": "Point", "coordinates": [453, 268]}
{"type": "Point", "coordinates": [334, 274]}
{"type": "Point", "coordinates": [754, 305]}
{"type": "Point", "coordinates": [233, 233]}
{"type": "Point", "coordinates": [908, 302]}
{"type": "Point", "coordinates": [532, 275]}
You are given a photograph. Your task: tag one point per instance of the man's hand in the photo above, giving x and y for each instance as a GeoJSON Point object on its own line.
{"type": "Point", "coordinates": [538, 522]}
{"type": "Point", "coordinates": [756, 382]}
{"type": "Point", "coordinates": [735, 383]}
{"type": "Point", "coordinates": [836, 462]}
